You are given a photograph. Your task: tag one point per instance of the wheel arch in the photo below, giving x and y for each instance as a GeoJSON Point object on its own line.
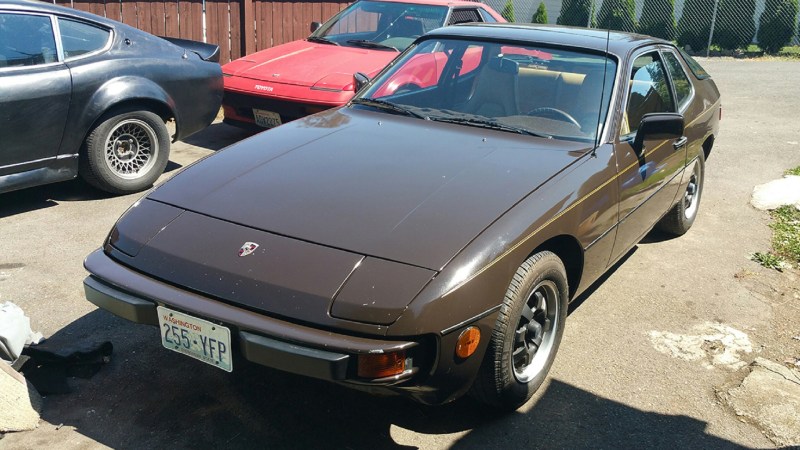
{"type": "Point", "coordinates": [570, 252]}
{"type": "Point", "coordinates": [708, 144]}
{"type": "Point", "coordinates": [127, 93]}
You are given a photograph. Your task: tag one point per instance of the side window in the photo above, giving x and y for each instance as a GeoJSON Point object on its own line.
{"type": "Point", "coordinates": [464, 16]}
{"type": "Point", "coordinates": [26, 40]}
{"type": "Point", "coordinates": [79, 38]}
{"type": "Point", "coordinates": [650, 92]}
{"type": "Point", "coordinates": [683, 88]}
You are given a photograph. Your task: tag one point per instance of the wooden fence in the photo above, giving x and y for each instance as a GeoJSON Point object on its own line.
{"type": "Point", "coordinates": [239, 27]}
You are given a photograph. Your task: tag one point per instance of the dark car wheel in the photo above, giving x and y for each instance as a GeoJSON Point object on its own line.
{"type": "Point", "coordinates": [527, 333]}
{"type": "Point", "coordinates": [681, 217]}
{"type": "Point", "coordinates": [125, 153]}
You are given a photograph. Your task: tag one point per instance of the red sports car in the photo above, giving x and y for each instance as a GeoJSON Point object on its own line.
{"type": "Point", "coordinates": [304, 77]}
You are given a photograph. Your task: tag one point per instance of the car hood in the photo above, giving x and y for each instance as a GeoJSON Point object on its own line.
{"type": "Point", "coordinates": [371, 183]}
{"type": "Point", "coordinates": [306, 63]}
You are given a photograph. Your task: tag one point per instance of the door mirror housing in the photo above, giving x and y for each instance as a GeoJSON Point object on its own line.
{"type": "Point", "coordinates": [658, 126]}
{"type": "Point", "coordinates": [314, 26]}
{"type": "Point", "coordinates": [359, 81]}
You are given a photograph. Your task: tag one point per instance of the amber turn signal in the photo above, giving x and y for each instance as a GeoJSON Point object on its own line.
{"type": "Point", "coordinates": [381, 365]}
{"type": "Point", "coordinates": [468, 342]}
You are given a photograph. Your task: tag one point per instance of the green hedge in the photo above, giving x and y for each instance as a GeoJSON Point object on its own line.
{"type": "Point", "coordinates": [508, 11]}
{"type": "Point", "coordinates": [575, 13]}
{"type": "Point", "coordinates": [695, 24]}
{"type": "Point", "coordinates": [777, 25]}
{"type": "Point", "coordinates": [658, 19]}
{"type": "Point", "coordinates": [735, 26]}
{"type": "Point", "coordinates": [617, 15]}
{"type": "Point", "coordinates": [540, 16]}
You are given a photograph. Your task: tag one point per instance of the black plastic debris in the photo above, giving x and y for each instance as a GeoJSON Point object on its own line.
{"type": "Point", "coordinates": [50, 363]}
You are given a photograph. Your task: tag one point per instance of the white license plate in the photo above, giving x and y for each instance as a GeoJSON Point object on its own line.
{"type": "Point", "coordinates": [266, 119]}
{"type": "Point", "coordinates": [198, 338]}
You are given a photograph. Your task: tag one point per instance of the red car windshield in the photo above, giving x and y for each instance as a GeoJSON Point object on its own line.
{"type": "Point", "coordinates": [531, 89]}
{"type": "Point", "coordinates": [380, 25]}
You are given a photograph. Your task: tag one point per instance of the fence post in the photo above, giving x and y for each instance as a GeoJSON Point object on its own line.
{"type": "Point", "coordinates": [713, 24]}
{"type": "Point", "coordinates": [248, 30]}
{"type": "Point", "coordinates": [591, 12]}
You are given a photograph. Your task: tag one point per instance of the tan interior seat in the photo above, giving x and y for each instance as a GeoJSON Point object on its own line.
{"type": "Point", "coordinates": [495, 93]}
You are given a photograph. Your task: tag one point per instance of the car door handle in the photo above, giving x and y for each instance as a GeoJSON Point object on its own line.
{"type": "Point", "coordinates": [680, 143]}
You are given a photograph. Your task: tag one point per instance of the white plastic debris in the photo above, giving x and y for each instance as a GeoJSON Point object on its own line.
{"type": "Point", "coordinates": [776, 193]}
{"type": "Point", "coordinates": [15, 331]}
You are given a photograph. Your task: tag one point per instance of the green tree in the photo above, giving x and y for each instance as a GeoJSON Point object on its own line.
{"type": "Point", "coordinates": [695, 24]}
{"type": "Point", "coordinates": [658, 19]}
{"type": "Point", "coordinates": [777, 25]}
{"type": "Point", "coordinates": [575, 12]}
{"type": "Point", "coordinates": [735, 26]}
{"type": "Point", "coordinates": [617, 15]}
{"type": "Point", "coordinates": [540, 16]}
{"type": "Point", "coordinates": [508, 11]}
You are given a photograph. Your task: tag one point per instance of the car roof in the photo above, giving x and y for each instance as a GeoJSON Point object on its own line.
{"type": "Point", "coordinates": [616, 42]}
{"type": "Point", "coordinates": [437, 2]}
{"type": "Point", "coordinates": [49, 8]}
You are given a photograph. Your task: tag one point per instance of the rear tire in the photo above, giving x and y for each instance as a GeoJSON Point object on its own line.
{"type": "Point", "coordinates": [681, 217]}
{"type": "Point", "coordinates": [126, 152]}
{"type": "Point", "coordinates": [527, 334]}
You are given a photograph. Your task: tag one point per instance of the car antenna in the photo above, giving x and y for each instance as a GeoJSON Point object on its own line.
{"type": "Point", "coordinates": [602, 94]}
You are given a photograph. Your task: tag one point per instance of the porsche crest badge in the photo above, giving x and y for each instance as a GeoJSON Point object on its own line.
{"type": "Point", "coordinates": [248, 248]}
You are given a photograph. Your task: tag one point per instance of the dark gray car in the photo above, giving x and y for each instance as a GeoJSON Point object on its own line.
{"type": "Point", "coordinates": [81, 94]}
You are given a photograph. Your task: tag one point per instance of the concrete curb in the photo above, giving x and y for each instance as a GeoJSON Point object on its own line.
{"type": "Point", "coordinates": [20, 404]}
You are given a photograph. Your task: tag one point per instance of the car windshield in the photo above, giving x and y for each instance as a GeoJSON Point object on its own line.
{"type": "Point", "coordinates": [388, 26]}
{"type": "Point", "coordinates": [532, 90]}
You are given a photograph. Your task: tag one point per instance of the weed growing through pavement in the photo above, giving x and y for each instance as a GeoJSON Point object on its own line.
{"type": "Point", "coordinates": [785, 237]}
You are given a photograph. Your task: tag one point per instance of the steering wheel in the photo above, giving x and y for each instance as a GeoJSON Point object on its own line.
{"type": "Point", "coordinates": [554, 113]}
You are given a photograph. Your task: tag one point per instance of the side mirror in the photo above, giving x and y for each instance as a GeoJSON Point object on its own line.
{"type": "Point", "coordinates": [359, 81]}
{"type": "Point", "coordinates": [314, 26]}
{"type": "Point", "coordinates": [658, 126]}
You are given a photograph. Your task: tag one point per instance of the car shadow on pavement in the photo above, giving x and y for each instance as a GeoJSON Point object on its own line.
{"type": "Point", "coordinates": [578, 301]}
{"type": "Point", "coordinates": [47, 196]}
{"type": "Point", "coordinates": [219, 135]}
{"type": "Point", "coordinates": [149, 397]}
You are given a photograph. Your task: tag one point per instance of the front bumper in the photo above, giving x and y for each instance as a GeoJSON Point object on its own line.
{"type": "Point", "coordinates": [238, 108]}
{"type": "Point", "coordinates": [261, 339]}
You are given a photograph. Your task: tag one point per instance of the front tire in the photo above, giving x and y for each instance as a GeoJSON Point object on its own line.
{"type": "Point", "coordinates": [527, 333]}
{"type": "Point", "coordinates": [126, 153]}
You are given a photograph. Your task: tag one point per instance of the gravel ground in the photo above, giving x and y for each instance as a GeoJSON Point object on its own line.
{"type": "Point", "coordinates": [641, 359]}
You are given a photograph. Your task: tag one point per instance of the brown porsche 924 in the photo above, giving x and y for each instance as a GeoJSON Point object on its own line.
{"type": "Point", "coordinates": [426, 238]}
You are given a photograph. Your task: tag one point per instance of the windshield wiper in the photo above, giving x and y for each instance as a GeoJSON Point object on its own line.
{"type": "Point", "coordinates": [321, 40]}
{"type": "Point", "coordinates": [492, 125]}
{"type": "Point", "coordinates": [383, 104]}
{"type": "Point", "coordinates": [370, 44]}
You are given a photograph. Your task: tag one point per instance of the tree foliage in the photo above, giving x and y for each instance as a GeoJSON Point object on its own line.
{"type": "Point", "coordinates": [508, 11]}
{"type": "Point", "coordinates": [695, 24]}
{"type": "Point", "coordinates": [617, 15]}
{"type": "Point", "coordinates": [540, 16]}
{"type": "Point", "coordinates": [575, 13]}
{"type": "Point", "coordinates": [735, 26]}
{"type": "Point", "coordinates": [658, 19]}
{"type": "Point", "coordinates": [777, 25]}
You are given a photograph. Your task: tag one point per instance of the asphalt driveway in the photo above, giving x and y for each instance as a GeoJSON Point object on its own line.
{"type": "Point", "coordinates": [613, 383]}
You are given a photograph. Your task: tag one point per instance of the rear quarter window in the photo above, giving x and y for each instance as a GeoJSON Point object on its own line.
{"type": "Point", "coordinates": [79, 38]}
{"type": "Point", "coordinates": [694, 66]}
{"type": "Point", "coordinates": [464, 16]}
